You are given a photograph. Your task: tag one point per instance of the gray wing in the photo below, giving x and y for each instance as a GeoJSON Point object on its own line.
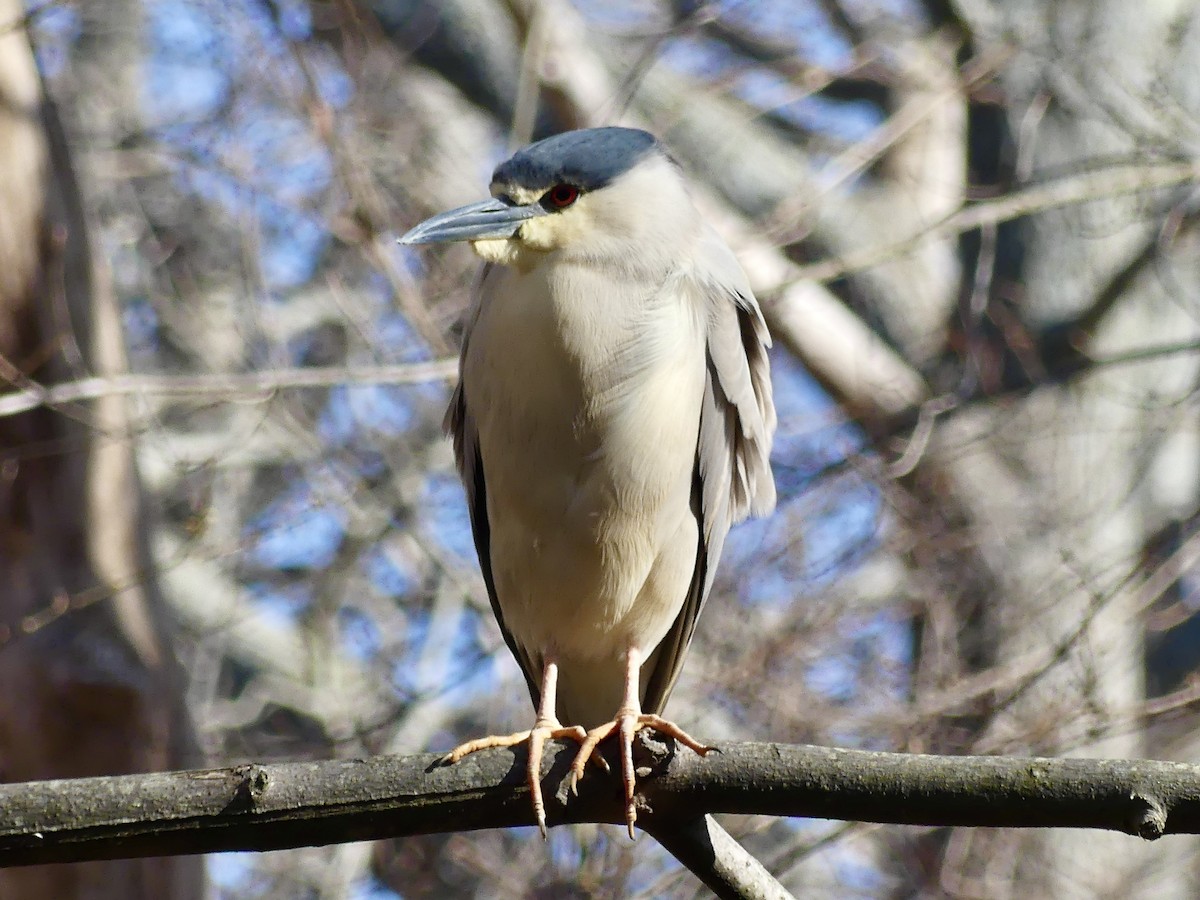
{"type": "Point", "coordinates": [460, 425]}
{"type": "Point", "coordinates": [732, 477]}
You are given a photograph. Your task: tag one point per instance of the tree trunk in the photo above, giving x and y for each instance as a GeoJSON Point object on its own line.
{"type": "Point", "coordinates": [1056, 485]}
{"type": "Point", "coordinates": [89, 685]}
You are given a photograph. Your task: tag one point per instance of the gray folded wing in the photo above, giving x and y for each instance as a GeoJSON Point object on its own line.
{"type": "Point", "coordinates": [732, 478]}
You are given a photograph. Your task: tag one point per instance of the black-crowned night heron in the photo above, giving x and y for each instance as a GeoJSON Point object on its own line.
{"type": "Point", "coordinates": [613, 418]}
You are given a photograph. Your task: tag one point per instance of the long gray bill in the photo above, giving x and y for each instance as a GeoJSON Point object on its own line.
{"type": "Point", "coordinates": [477, 221]}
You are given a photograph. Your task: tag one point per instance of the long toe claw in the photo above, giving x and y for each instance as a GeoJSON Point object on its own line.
{"type": "Point", "coordinates": [669, 728]}
{"type": "Point", "coordinates": [544, 730]}
{"type": "Point", "coordinates": [484, 743]}
{"type": "Point", "coordinates": [627, 723]}
{"type": "Point", "coordinates": [587, 750]}
{"type": "Point", "coordinates": [537, 740]}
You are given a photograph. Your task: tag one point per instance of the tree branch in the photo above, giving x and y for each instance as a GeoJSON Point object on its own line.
{"type": "Point", "coordinates": [1103, 183]}
{"type": "Point", "coordinates": [723, 864]}
{"type": "Point", "coordinates": [227, 386]}
{"type": "Point", "coordinates": [266, 807]}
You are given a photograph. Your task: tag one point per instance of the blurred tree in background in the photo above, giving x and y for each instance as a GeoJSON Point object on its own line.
{"type": "Point", "coordinates": [972, 228]}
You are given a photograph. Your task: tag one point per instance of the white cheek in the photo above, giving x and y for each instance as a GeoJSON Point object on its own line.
{"type": "Point", "coordinates": [542, 233]}
{"type": "Point", "coordinates": [501, 251]}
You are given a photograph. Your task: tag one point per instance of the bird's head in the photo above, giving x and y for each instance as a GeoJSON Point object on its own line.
{"type": "Point", "coordinates": [598, 194]}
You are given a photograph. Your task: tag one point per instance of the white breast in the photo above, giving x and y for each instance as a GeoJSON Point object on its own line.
{"type": "Point", "coordinates": [586, 393]}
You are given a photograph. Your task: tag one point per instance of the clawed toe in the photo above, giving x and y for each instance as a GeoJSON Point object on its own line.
{"type": "Point", "coordinates": [462, 751]}
{"type": "Point", "coordinates": [669, 728]}
{"type": "Point", "coordinates": [627, 723]}
{"type": "Point", "coordinates": [542, 731]}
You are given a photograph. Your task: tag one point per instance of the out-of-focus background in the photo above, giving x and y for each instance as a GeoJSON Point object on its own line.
{"type": "Point", "coordinates": [229, 523]}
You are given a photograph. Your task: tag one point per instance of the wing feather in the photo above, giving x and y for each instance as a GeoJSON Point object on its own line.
{"type": "Point", "coordinates": [732, 477]}
{"type": "Point", "coordinates": [460, 425]}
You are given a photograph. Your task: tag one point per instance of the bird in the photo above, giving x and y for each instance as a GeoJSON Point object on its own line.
{"type": "Point", "coordinates": [612, 419]}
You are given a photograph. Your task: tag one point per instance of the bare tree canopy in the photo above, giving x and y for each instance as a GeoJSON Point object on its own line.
{"type": "Point", "coordinates": [230, 530]}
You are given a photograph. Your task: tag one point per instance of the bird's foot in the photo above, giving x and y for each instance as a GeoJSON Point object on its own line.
{"type": "Point", "coordinates": [542, 731]}
{"type": "Point", "coordinates": [627, 723]}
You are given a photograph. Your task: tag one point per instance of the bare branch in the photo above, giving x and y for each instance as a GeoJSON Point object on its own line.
{"type": "Point", "coordinates": [1112, 181]}
{"type": "Point", "coordinates": [225, 386]}
{"type": "Point", "coordinates": [718, 860]}
{"type": "Point", "coordinates": [261, 807]}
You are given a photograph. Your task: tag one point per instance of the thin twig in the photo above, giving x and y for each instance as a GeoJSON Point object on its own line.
{"type": "Point", "coordinates": [1111, 181]}
{"type": "Point", "coordinates": [232, 386]}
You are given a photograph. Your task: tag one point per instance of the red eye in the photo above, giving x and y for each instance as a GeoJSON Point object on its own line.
{"type": "Point", "coordinates": [561, 196]}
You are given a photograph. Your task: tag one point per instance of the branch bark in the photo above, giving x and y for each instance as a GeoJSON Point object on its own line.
{"type": "Point", "coordinates": [718, 860]}
{"type": "Point", "coordinates": [266, 807]}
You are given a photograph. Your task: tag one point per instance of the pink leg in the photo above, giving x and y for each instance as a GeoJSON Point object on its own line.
{"type": "Point", "coordinates": [547, 727]}
{"type": "Point", "coordinates": [628, 720]}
